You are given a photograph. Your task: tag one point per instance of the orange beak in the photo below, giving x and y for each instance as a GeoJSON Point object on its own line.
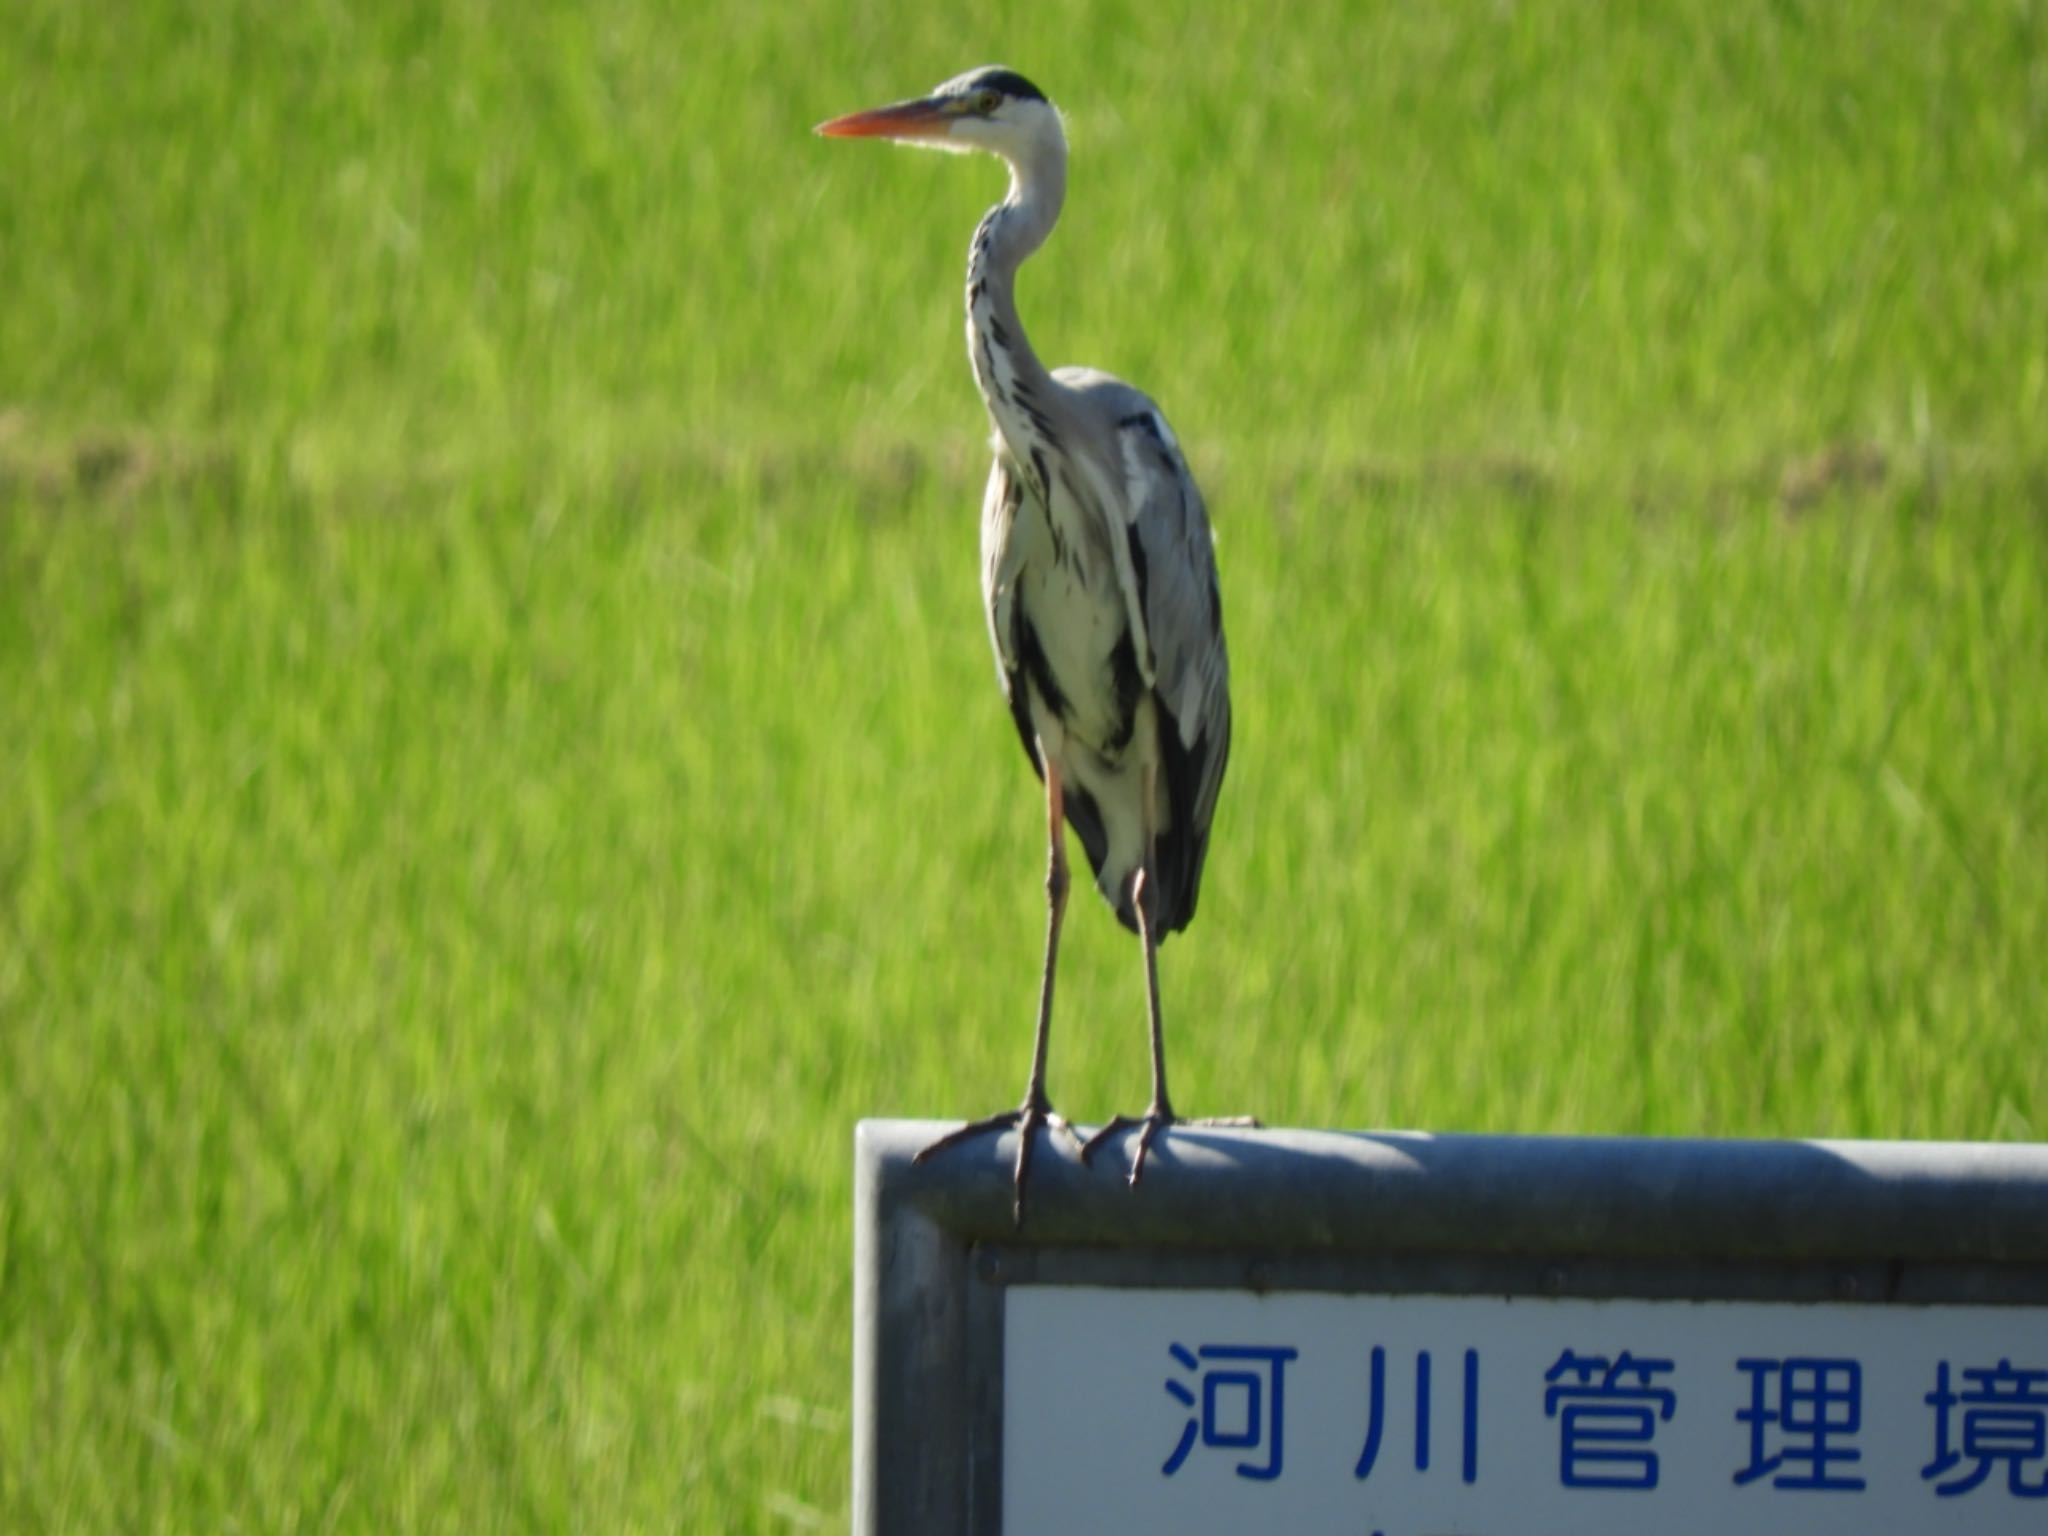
{"type": "Point", "coordinates": [920, 119]}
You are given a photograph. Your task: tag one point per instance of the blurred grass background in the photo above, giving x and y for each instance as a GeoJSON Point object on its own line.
{"type": "Point", "coordinates": [501, 766]}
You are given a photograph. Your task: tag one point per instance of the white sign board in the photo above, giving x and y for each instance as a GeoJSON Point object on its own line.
{"type": "Point", "coordinates": [1410, 1415]}
{"type": "Point", "coordinates": [1395, 1333]}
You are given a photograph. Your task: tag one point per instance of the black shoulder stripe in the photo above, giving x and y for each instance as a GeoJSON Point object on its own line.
{"type": "Point", "coordinates": [1085, 817]}
{"type": "Point", "coordinates": [1019, 695]}
{"type": "Point", "coordinates": [1128, 685]}
{"type": "Point", "coordinates": [1138, 570]}
{"type": "Point", "coordinates": [1032, 661]}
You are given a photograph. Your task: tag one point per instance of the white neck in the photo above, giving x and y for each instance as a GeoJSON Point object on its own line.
{"type": "Point", "coordinates": [1014, 384]}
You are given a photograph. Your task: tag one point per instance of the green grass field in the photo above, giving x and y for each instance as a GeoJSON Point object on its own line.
{"type": "Point", "coordinates": [501, 766]}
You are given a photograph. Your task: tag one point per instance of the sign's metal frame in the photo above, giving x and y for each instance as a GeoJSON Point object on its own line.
{"type": "Point", "coordinates": [1862, 1223]}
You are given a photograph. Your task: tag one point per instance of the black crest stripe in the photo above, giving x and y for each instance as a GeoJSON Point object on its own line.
{"type": "Point", "coordinates": [1009, 82]}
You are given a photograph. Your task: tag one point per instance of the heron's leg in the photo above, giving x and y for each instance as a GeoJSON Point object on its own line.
{"type": "Point", "coordinates": [1160, 1114]}
{"type": "Point", "coordinates": [1056, 882]}
{"type": "Point", "coordinates": [1036, 1110]}
{"type": "Point", "coordinates": [1162, 1106]}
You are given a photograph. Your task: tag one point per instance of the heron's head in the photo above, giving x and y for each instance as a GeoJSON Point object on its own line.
{"type": "Point", "coordinates": [990, 108]}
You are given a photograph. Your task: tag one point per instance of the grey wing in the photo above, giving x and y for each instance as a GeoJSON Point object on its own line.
{"type": "Point", "coordinates": [1174, 565]}
{"type": "Point", "coordinates": [1016, 646]}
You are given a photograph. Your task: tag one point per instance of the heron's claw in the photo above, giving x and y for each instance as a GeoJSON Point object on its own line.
{"type": "Point", "coordinates": [1025, 1120]}
{"type": "Point", "coordinates": [1150, 1124]}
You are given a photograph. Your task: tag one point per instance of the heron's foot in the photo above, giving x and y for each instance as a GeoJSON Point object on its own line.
{"type": "Point", "coordinates": [1025, 1120]}
{"type": "Point", "coordinates": [1150, 1124]}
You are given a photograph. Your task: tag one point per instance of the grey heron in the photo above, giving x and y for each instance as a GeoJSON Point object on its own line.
{"type": "Point", "coordinates": [1100, 586]}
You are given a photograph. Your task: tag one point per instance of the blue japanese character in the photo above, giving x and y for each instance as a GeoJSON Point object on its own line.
{"type": "Point", "coordinates": [1246, 1391]}
{"type": "Point", "coordinates": [1811, 1402]}
{"type": "Point", "coordinates": [2005, 1418]}
{"type": "Point", "coordinates": [1607, 1418]}
{"type": "Point", "coordinates": [1376, 1422]}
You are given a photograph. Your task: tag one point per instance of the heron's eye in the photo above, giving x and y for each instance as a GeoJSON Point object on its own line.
{"type": "Point", "coordinates": [987, 101]}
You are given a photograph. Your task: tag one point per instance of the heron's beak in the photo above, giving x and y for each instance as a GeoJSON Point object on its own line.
{"type": "Point", "coordinates": [920, 119]}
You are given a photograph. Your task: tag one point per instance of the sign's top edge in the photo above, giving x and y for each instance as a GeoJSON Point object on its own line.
{"type": "Point", "coordinates": [1391, 1191]}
